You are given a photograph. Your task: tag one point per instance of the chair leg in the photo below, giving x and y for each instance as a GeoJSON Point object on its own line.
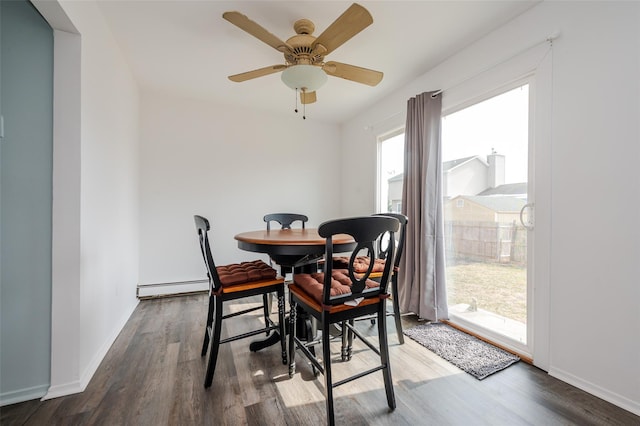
{"type": "Point", "coordinates": [343, 348]}
{"type": "Point", "coordinates": [215, 341]}
{"type": "Point", "coordinates": [283, 271]}
{"type": "Point", "coordinates": [347, 341]}
{"type": "Point", "coordinates": [292, 337]}
{"type": "Point", "coordinates": [326, 360]}
{"type": "Point", "coordinates": [384, 355]}
{"type": "Point", "coordinates": [281, 325]}
{"type": "Point", "coordinates": [396, 308]}
{"type": "Point", "coordinates": [207, 328]}
{"type": "Point", "coordinates": [266, 304]}
{"type": "Point", "coordinates": [308, 323]}
{"type": "Point", "coordinates": [350, 340]}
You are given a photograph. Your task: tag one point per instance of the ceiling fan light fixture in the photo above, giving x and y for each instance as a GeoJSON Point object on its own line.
{"type": "Point", "coordinates": [307, 77]}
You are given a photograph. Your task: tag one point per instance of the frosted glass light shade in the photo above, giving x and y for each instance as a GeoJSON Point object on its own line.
{"type": "Point", "coordinates": [307, 77]}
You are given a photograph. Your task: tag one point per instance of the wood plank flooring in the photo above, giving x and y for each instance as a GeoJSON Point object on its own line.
{"type": "Point", "coordinates": [153, 375]}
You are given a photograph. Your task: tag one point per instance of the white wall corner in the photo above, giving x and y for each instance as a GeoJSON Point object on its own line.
{"type": "Point", "coordinates": [80, 385]}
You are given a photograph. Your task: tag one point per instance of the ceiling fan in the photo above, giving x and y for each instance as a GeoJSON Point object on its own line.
{"type": "Point", "coordinates": [304, 68]}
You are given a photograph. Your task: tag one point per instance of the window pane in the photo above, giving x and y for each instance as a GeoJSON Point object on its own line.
{"type": "Point", "coordinates": [390, 168]}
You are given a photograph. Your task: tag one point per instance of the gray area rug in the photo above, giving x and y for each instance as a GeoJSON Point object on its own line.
{"type": "Point", "coordinates": [470, 354]}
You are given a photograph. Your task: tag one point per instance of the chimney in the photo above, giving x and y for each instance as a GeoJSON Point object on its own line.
{"type": "Point", "coordinates": [495, 176]}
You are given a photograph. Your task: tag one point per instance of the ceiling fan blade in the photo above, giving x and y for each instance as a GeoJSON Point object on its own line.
{"type": "Point", "coordinates": [238, 78]}
{"type": "Point", "coordinates": [308, 97]}
{"type": "Point", "coordinates": [350, 23]}
{"type": "Point", "coordinates": [246, 24]}
{"type": "Point", "coordinates": [353, 73]}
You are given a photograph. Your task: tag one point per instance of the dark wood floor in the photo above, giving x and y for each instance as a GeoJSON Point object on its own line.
{"type": "Point", "coordinates": [153, 375]}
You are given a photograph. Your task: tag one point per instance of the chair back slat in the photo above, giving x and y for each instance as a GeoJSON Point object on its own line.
{"type": "Point", "coordinates": [366, 231]}
{"type": "Point", "coordinates": [401, 236]}
{"type": "Point", "coordinates": [284, 219]}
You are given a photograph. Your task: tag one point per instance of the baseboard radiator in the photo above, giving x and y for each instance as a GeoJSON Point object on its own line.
{"type": "Point", "coordinates": [147, 291]}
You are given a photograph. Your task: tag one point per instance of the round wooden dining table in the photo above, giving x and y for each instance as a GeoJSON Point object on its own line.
{"type": "Point", "coordinates": [297, 248]}
{"type": "Point", "coordinates": [292, 247]}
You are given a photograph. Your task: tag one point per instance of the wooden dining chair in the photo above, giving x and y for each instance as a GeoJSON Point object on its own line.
{"type": "Point", "coordinates": [340, 296]}
{"type": "Point", "coordinates": [232, 282]}
{"type": "Point", "coordinates": [285, 220]}
{"type": "Point", "coordinates": [362, 264]}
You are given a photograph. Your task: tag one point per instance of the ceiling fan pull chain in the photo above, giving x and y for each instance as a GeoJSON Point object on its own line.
{"type": "Point", "coordinates": [296, 93]}
{"type": "Point", "coordinates": [304, 103]}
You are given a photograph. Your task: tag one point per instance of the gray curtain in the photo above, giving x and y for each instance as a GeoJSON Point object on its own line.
{"type": "Point", "coordinates": [421, 278]}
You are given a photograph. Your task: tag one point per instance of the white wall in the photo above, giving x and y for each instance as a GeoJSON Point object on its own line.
{"type": "Point", "coordinates": [596, 148]}
{"type": "Point", "coordinates": [95, 225]}
{"type": "Point", "coordinates": [232, 166]}
{"type": "Point", "coordinates": [588, 197]}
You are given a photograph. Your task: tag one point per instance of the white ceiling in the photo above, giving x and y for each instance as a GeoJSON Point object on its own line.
{"type": "Point", "coordinates": [187, 48]}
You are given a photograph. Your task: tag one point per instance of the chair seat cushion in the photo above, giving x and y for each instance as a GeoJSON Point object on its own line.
{"type": "Point", "coordinates": [238, 273]}
{"type": "Point", "coordinates": [360, 264]}
{"type": "Point", "coordinates": [313, 284]}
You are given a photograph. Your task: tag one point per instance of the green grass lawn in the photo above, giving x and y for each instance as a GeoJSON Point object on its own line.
{"type": "Point", "coordinates": [498, 288]}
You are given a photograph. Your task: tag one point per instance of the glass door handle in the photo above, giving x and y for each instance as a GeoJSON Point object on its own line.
{"type": "Point", "coordinates": [529, 224]}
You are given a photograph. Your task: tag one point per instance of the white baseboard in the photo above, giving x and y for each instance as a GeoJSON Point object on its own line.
{"type": "Point", "coordinates": [167, 289]}
{"type": "Point", "coordinates": [64, 390]}
{"type": "Point", "coordinates": [22, 395]}
{"type": "Point", "coordinates": [81, 384]}
{"type": "Point", "coordinates": [600, 392]}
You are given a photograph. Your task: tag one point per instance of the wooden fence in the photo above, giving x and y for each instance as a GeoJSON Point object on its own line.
{"type": "Point", "coordinates": [486, 241]}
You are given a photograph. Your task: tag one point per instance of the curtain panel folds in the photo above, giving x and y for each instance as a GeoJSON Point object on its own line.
{"type": "Point", "coordinates": [421, 277]}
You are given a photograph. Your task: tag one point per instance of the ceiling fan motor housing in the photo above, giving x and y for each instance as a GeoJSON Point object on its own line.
{"type": "Point", "coordinates": [303, 51]}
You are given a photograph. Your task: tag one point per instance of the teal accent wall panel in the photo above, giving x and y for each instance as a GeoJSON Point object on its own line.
{"type": "Point", "coordinates": [26, 105]}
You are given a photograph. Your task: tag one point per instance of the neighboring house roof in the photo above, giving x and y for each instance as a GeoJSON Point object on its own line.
{"type": "Point", "coordinates": [451, 164]}
{"type": "Point", "coordinates": [497, 203]}
{"type": "Point", "coordinates": [446, 166]}
{"type": "Point", "coordinates": [507, 189]}
{"type": "Point", "coordinates": [396, 178]}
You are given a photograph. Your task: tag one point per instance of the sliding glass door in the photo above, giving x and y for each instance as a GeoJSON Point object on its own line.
{"type": "Point", "coordinates": [486, 212]}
